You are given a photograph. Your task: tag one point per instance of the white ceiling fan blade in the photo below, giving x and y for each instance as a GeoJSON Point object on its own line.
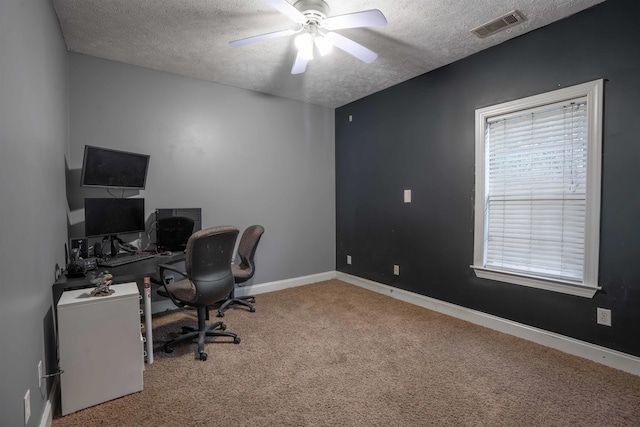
{"type": "Point", "coordinates": [261, 37]}
{"type": "Point", "coordinates": [362, 53]}
{"type": "Point", "coordinates": [287, 8]}
{"type": "Point", "coordinates": [366, 18]}
{"type": "Point", "coordinates": [300, 65]}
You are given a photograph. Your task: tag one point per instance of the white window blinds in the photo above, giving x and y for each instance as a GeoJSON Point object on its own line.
{"type": "Point", "coordinates": [536, 175]}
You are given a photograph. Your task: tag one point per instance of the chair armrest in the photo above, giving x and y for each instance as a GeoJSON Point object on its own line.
{"type": "Point", "coordinates": [163, 267]}
{"type": "Point", "coordinates": [161, 270]}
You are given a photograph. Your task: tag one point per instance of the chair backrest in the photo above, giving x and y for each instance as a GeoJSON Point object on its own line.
{"type": "Point", "coordinates": [246, 251]}
{"type": "Point", "coordinates": [208, 263]}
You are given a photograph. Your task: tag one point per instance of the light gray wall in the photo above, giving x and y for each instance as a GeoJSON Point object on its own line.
{"type": "Point", "coordinates": [33, 133]}
{"type": "Point", "coordinates": [244, 158]}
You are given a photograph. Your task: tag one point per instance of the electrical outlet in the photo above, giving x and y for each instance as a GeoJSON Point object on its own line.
{"type": "Point", "coordinates": [603, 316]}
{"type": "Point", "coordinates": [349, 259]}
{"type": "Point", "coordinates": [396, 270]}
{"type": "Point", "coordinates": [40, 374]}
{"type": "Point", "coordinates": [27, 406]}
{"type": "Point", "coordinates": [407, 196]}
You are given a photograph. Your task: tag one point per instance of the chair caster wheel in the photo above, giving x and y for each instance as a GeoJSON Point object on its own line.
{"type": "Point", "coordinates": [168, 350]}
{"type": "Point", "coordinates": [223, 327]}
{"type": "Point", "coordinates": [220, 314]}
{"type": "Point", "coordinates": [236, 340]}
{"type": "Point", "coordinates": [252, 300]}
{"type": "Point", "coordinates": [203, 356]}
{"type": "Point", "coordinates": [253, 310]}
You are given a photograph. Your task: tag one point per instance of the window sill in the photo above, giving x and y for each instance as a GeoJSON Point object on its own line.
{"type": "Point", "coordinates": [536, 282]}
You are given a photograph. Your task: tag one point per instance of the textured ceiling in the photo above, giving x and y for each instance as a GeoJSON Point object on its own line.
{"type": "Point", "coordinates": [191, 37]}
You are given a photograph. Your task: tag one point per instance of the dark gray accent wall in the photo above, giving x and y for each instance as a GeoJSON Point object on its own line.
{"type": "Point", "coordinates": [33, 135]}
{"type": "Point", "coordinates": [419, 135]}
{"type": "Point", "coordinates": [242, 157]}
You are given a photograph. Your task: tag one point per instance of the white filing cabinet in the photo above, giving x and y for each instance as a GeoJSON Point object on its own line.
{"type": "Point", "coordinates": [100, 345]}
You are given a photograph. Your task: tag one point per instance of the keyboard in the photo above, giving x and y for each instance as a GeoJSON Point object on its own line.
{"type": "Point", "coordinates": [123, 259]}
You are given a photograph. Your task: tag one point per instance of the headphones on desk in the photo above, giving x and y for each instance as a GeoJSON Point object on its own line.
{"type": "Point", "coordinates": [76, 266]}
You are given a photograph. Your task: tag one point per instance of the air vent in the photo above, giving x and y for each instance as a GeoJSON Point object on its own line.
{"type": "Point", "coordinates": [498, 24]}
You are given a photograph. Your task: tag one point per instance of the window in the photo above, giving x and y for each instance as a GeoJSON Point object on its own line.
{"type": "Point", "coordinates": [537, 211]}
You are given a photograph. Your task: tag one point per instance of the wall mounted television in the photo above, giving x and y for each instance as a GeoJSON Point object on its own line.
{"type": "Point", "coordinates": [111, 216]}
{"type": "Point", "coordinates": [105, 167]}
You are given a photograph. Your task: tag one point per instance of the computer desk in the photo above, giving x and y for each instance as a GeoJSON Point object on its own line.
{"type": "Point", "coordinates": [132, 272]}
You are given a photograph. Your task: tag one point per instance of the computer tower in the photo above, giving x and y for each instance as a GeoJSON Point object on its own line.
{"type": "Point", "coordinates": [175, 226]}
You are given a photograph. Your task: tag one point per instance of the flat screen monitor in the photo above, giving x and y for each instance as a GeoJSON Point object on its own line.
{"type": "Point", "coordinates": [175, 226]}
{"type": "Point", "coordinates": [104, 167]}
{"type": "Point", "coordinates": [111, 216]}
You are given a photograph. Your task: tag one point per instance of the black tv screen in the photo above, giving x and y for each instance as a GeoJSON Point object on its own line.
{"type": "Point", "coordinates": [104, 167]}
{"type": "Point", "coordinates": [111, 216]}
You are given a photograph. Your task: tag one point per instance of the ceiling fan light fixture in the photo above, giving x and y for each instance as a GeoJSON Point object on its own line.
{"type": "Point", "coordinates": [304, 43]}
{"type": "Point", "coordinates": [324, 46]}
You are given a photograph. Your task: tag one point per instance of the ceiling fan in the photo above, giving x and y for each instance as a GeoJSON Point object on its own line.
{"type": "Point", "coordinates": [316, 29]}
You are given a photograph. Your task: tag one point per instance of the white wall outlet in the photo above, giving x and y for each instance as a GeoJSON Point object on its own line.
{"type": "Point", "coordinates": [350, 118]}
{"type": "Point", "coordinates": [396, 270]}
{"type": "Point", "coordinates": [40, 374]}
{"type": "Point", "coordinates": [349, 259]}
{"type": "Point", "coordinates": [27, 406]}
{"type": "Point", "coordinates": [407, 196]}
{"type": "Point", "coordinates": [603, 316]}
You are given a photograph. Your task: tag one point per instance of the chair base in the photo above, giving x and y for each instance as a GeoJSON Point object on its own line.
{"type": "Point", "coordinates": [237, 301]}
{"type": "Point", "coordinates": [217, 329]}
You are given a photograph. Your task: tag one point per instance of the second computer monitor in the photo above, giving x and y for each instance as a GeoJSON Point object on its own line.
{"type": "Point", "coordinates": [175, 226]}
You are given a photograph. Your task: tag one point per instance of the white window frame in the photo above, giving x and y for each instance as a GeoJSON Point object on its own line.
{"type": "Point", "coordinates": [593, 91]}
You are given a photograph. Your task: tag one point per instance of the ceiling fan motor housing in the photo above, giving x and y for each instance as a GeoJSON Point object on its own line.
{"type": "Point", "coordinates": [314, 10]}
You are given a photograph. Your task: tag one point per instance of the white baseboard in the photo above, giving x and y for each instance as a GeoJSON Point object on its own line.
{"type": "Point", "coordinates": [284, 284]}
{"type": "Point", "coordinates": [612, 358]}
{"type": "Point", "coordinates": [50, 405]}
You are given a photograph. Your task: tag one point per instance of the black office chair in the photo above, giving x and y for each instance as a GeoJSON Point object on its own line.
{"type": "Point", "coordinates": [245, 270]}
{"type": "Point", "coordinates": [208, 278]}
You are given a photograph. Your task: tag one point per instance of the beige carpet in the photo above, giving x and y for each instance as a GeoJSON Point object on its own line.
{"type": "Point", "coordinates": [333, 354]}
